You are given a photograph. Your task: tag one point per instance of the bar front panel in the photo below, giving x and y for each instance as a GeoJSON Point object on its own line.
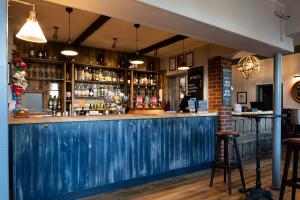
{"type": "Point", "coordinates": [50, 160]}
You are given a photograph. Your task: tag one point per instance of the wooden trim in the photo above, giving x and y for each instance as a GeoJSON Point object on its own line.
{"type": "Point", "coordinates": [90, 30]}
{"type": "Point", "coordinates": [63, 100]}
{"type": "Point", "coordinates": [131, 89]}
{"type": "Point", "coordinates": [72, 88]}
{"type": "Point", "coordinates": [163, 43]}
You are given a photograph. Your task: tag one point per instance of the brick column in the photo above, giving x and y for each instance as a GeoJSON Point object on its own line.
{"type": "Point", "coordinates": [215, 91]}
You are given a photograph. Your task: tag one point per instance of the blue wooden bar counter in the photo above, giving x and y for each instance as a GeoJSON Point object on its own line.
{"type": "Point", "coordinates": [69, 158]}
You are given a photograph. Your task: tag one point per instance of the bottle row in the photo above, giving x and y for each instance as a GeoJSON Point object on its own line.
{"type": "Point", "coordinates": [54, 105]}
{"type": "Point", "coordinates": [96, 90]}
{"type": "Point", "coordinates": [144, 79]}
{"type": "Point", "coordinates": [98, 107]}
{"type": "Point", "coordinates": [92, 74]}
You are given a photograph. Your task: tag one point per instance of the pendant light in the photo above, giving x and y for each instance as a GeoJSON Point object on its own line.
{"type": "Point", "coordinates": [31, 30]}
{"type": "Point", "coordinates": [136, 59]}
{"type": "Point", "coordinates": [183, 66]}
{"type": "Point", "coordinates": [248, 66]}
{"type": "Point", "coordinates": [69, 49]}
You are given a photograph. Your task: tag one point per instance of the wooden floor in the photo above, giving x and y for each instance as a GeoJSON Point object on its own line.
{"type": "Point", "coordinates": [196, 186]}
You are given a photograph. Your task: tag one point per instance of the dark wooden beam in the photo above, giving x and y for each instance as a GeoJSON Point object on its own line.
{"type": "Point", "coordinates": [90, 30]}
{"type": "Point", "coordinates": [163, 43]}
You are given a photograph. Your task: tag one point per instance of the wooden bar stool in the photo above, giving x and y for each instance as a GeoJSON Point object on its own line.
{"type": "Point", "coordinates": [293, 146]}
{"type": "Point", "coordinates": [227, 165]}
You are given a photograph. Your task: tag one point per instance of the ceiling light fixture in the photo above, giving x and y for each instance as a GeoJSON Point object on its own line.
{"type": "Point", "coordinates": [183, 66]}
{"type": "Point", "coordinates": [69, 49]}
{"type": "Point", "coordinates": [31, 30]}
{"type": "Point", "coordinates": [136, 59]}
{"type": "Point", "coordinates": [248, 66]}
{"type": "Point", "coordinates": [114, 45]}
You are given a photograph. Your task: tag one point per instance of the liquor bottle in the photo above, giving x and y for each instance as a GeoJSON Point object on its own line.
{"type": "Point", "coordinates": [101, 91]}
{"type": "Point", "coordinates": [86, 73]}
{"type": "Point", "coordinates": [147, 99]}
{"type": "Point", "coordinates": [31, 51]}
{"type": "Point", "coordinates": [91, 92]}
{"type": "Point", "coordinates": [40, 54]}
{"type": "Point", "coordinates": [114, 78]}
{"type": "Point", "coordinates": [45, 54]}
{"type": "Point", "coordinates": [58, 104]}
{"type": "Point", "coordinates": [150, 79]}
{"type": "Point", "coordinates": [93, 75]}
{"type": "Point", "coordinates": [95, 90]}
{"type": "Point", "coordinates": [139, 98]}
{"type": "Point", "coordinates": [90, 74]}
{"type": "Point", "coordinates": [50, 104]}
{"type": "Point", "coordinates": [97, 75]}
{"type": "Point", "coordinates": [100, 75]}
{"type": "Point", "coordinates": [54, 106]}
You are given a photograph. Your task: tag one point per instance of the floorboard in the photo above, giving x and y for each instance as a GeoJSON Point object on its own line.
{"type": "Point", "coordinates": [195, 186]}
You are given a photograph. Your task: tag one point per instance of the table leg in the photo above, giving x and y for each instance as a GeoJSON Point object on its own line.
{"type": "Point", "coordinates": [258, 180]}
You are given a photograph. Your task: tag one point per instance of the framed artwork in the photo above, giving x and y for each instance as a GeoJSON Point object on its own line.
{"type": "Point", "coordinates": [189, 57]}
{"type": "Point", "coordinates": [179, 60]}
{"type": "Point", "coordinates": [241, 97]}
{"type": "Point", "coordinates": [172, 64]}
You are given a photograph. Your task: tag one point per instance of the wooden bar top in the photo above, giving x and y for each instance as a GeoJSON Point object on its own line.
{"type": "Point", "coordinates": [269, 112]}
{"type": "Point", "coordinates": [49, 119]}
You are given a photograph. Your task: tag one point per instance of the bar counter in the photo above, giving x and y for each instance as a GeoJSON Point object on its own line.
{"type": "Point", "coordinates": [73, 157]}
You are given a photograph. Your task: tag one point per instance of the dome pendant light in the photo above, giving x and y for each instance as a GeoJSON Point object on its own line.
{"type": "Point", "coordinates": [31, 30]}
{"type": "Point", "coordinates": [69, 49]}
{"type": "Point", "coordinates": [136, 59]}
{"type": "Point", "coordinates": [183, 66]}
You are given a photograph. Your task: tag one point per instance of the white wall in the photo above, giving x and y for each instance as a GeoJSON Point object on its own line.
{"type": "Point", "coordinates": [201, 56]}
{"type": "Point", "coordinates": [290, 67]}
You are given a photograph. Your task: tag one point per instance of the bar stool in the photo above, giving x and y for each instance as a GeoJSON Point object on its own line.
{"type": "Point", "coordinates": [293, 146]}
{"type": "Point", "coordinates": [227, 165]}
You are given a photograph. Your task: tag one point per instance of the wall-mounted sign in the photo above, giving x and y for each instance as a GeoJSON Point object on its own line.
{"type": "Point", "coordinates": [195, 82]}
{"type": "Point", "coordinates": [226, 87]}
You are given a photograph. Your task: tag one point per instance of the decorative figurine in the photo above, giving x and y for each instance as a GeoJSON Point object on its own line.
{"type": "Point", "coordinates": [18, 84]}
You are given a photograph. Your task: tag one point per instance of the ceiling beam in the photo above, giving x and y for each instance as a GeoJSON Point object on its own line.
{"type": "Point", "coordinates": [163, 43]}
{"type": "Point", "coordinates": [90, 30]}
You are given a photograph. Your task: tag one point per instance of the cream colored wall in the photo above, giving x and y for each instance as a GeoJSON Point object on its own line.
{"type": "Point", "coordinates": [201, 56]}
{"type": "Point", "coordinates": [290, 66]}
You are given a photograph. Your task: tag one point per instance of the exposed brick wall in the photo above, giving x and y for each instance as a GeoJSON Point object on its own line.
{"type": "Point", "coordinates": [215, 66]}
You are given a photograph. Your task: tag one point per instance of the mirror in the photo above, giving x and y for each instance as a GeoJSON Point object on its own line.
{"type": "Point", "coordinates": [296, 91]}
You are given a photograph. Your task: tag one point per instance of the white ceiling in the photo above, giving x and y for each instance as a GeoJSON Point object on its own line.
{"type": "Point", "coordinates": [50, 15]}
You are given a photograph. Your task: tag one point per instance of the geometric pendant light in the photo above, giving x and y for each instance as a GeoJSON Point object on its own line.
{"type": "Point", "coordinates": [69, 49]}
{"type": "Point", "coordinates": [248, 66]}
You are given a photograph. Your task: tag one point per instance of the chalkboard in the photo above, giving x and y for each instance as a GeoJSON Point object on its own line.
{"type": "Point", "coordinates": [226, 89]}
{"type": "Point", "coordinates": [195, 82]}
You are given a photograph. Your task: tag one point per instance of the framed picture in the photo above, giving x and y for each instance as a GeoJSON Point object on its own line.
{"type": "Point", "coordinates": [172, 64]}
{"type": "Point", "coordinates": [241, 97]}
{"type": "Point", "coordinates": [179, 60]}
{"type": "Point", "coordinates": [189, 57]}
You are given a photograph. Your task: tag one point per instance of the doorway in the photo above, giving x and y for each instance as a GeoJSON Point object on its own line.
{"type": "Point", "coordinates": [265, 94]}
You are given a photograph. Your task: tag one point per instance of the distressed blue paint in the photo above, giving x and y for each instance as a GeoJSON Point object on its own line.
{"type": "Point", "coordinates": [74, 159]}
{"type": "Point", "coordinates": [4, 180]}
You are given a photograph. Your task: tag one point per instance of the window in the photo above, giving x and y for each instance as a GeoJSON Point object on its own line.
{"type": "Point", "coordinates": [54, 89]}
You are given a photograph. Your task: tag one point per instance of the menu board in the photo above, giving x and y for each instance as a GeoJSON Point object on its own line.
{"type": "Point", "coordinates": [195, 82]}
{"type": "Point", "coordinates": [226, 89]}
